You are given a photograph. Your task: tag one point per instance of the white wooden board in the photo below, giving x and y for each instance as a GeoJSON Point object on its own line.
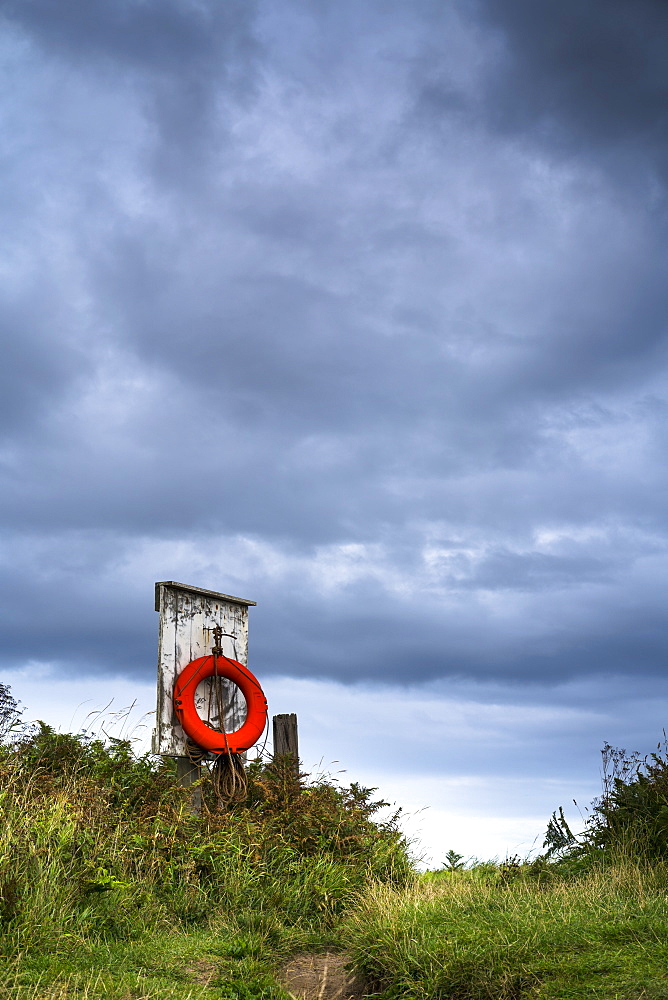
{"type": "Point", "coordinates": [188, 616]}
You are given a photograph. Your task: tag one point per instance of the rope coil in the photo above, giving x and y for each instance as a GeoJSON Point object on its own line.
{"type": "Point", "coordinates": [229, 778]}
{"type": "Point", "coordinates": [205, 737]}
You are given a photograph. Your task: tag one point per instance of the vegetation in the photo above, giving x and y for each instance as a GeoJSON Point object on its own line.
{"type": "Point", "coordinates": [586, 919]}
{"type": "Point", "coordinates": [464, 935]}
{"type": "Point", "coordinates": [109, 886]}
{"type": "Point", "coordinates": [632, 814]}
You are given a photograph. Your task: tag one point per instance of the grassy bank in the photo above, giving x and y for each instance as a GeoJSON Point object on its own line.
{"type": "Point", "coordinates": [478, 935]}
{"type": "Point", "coordinates": [587, 919]}
{"type": "Point", "coordinates": [110, 887]}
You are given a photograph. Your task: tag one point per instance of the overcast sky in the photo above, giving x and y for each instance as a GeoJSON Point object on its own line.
{"type": "Point", "coordinates": [358, 310]}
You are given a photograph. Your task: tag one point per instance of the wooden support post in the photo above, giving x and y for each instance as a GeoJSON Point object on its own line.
{"type": "Point", "coordinates": [188, 773]}
{"type": "Point", "coordinates": [286, 742]}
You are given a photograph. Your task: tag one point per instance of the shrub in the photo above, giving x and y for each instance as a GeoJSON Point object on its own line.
{"type": "Point", "coordinates": [96, 842]}
{"type": "Point", "coordinates": [629, 821]}
{"type": "Point", "coordinates": [10, 712]}
{"type": "Point", "coordinates": [632, 814]}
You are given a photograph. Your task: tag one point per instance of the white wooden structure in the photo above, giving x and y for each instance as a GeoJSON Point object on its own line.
{"type": "Point", "coordinates": [188, 618]}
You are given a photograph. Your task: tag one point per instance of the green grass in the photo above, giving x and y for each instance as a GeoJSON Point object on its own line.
{"type": "Point", "coordinates": [174, 963]}
{"type": "Point", "coordinates": [601, 935]}
{"type": "Point", "coordinates": [110, 887]}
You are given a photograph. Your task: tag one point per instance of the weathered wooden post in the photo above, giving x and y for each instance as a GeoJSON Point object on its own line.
{"type": "Point", "coordinates": [286, 740]}
{"type": "Point", "coordinates": [188, 773]}
{"type": "Point", "coordinates": [192, 621]}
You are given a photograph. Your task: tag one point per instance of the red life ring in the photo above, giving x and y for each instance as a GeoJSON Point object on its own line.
{"type": "Point", "coordinates": [194, 727]}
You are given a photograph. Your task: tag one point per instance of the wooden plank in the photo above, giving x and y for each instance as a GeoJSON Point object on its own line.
{"type": "Point", "coordinates": [199, 590]}
{"type": "Point", "coordinates": [188, 616]}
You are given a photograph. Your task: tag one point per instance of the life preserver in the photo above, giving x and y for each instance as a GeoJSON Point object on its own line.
{"type": "Point", "coordinates": [194, 727]}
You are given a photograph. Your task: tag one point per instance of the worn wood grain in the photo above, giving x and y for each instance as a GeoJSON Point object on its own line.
{"type": "Point", "coordinates": [286, 737]}
{"type": "Point", "coordinates": [188, 616]}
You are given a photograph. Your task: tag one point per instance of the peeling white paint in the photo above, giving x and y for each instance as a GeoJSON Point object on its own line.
{"type": "Point", "coordinates": [188, 616]}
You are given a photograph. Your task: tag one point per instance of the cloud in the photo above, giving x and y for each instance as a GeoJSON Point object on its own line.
{"type": "Point", "coordinates": [356, 311]}
{"type": "Point", "coordinates": [352, 612]}
{"type": "Point", "coordinates": [192, 44]}
{"type": "Point", "coordinates": [590, 79]}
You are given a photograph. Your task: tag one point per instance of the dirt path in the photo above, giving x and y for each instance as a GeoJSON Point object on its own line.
{"type": "Point", "coordinates": [321, 977]}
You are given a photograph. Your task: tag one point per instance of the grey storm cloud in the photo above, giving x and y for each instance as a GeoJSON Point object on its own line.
{"type": "Point", "coordinates": [592, 76]}
{"type": "Point", "coordinates": [164, 37]}
{"type": "Point", "coordinates": [359, 310]}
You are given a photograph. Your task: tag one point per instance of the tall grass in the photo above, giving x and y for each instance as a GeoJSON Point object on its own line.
{"type": "Point", "coordinates": [110, 887]}
{"type": "Point", "coordinates": [471, 936]}
{"type": "Point", "coordinates": [589, 918]}
{"type": "Point", "coordinates": [100, 854]}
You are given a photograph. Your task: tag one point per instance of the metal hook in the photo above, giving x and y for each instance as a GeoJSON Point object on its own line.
{"type": "Point", "coordinates": [218, 634]}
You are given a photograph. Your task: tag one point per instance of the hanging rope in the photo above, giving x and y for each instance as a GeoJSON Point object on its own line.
{"type": "Point", "coordinates": [228, 773]}
{"type": "Point", "coordinates": [195, 754]}
{"type": "Point", "coordinates": [229, 778]}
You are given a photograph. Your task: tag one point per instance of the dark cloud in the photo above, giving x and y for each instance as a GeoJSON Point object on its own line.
{"type": "Point", "coordinates": [345, 309]}
{"type": "Point", "coordinates": [187, 64]}
{"type": "Point", "coordinates": [589, 77]}
{"type": "Point", "coordinates": [167, 37]}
